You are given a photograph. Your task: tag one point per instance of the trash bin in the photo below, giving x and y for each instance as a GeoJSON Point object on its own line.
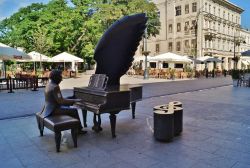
{"type": "Point", "coordinates": [176, 106]}
{"type": "Point", "coordinates": [161, 107]}
{"type": "Point", "coordinates": [164, 125]}
{"type": "Point", "coordinates": [176, 103]}
{"type": "Point", "coordinates": [178, 120]}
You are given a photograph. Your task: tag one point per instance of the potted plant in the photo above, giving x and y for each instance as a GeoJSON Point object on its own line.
{"type": "Point", "coordinates": [235, 73]}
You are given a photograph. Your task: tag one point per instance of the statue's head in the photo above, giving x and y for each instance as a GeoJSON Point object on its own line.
{"type": "Point", "coordinates": [55, 76]}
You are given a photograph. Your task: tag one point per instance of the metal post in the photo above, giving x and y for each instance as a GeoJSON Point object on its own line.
{"type": "Point", "coordinates": [235, 66]}
{"type": "Point", "coordinates": [40, 61]}
{"type": "Point", "coordinates": [145, 53]}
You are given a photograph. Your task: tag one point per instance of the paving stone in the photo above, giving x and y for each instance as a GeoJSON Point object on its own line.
{"type": "Point", "coordinates": [215, 133]}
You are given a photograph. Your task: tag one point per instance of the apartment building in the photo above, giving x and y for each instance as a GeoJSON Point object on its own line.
{"type": "Point", "coordinates": [201, 27]}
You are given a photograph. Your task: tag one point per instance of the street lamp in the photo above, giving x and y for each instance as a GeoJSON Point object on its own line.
{"type": "Point", "coordinates": [145, 53]}
{"type": "Point", "coordinates": [195, 27]}
{"type": "Point", "coordinates": [237, 42]}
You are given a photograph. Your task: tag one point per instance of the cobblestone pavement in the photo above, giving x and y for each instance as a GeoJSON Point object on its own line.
{"type": "Point", "coordinates": [216, 133]}
{"type": "Point", "coordinates": [27, 102]}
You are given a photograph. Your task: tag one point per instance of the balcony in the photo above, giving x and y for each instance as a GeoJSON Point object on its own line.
{"type": "Point", "coordinates": [186, 32]}
{"type": "Point", "coordinates": [209, 31]}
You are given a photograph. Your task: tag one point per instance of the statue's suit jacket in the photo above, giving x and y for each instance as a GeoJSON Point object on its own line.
{"type": "Point", "coordinates": [54, 99]}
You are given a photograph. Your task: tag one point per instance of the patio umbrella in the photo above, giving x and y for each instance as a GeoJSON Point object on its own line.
{"type": "Point", "coordinates": [207, 59]}
{"type": "Point", "coordinates": [245, 62]}
{"type": "Point", "coordinates": [171, 57]}
{"type": "Point", "coordinates": [246, 53]}
{"type": "Point", "coordinates": [36, 57]}
{"type": "Point", "coordinates": [9, 53]}
{"type": "Point", "coordinates": [115, 50]}
{"type": "Point", "coordinates": [66, 57]}
{"type": "Point", "coordinates": [141, 58]}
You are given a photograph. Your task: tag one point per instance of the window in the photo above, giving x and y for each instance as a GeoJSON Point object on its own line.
{"type": "Point", "coordinates": [214, 10]}
{"type": "Point", "coordinates": [224, 14]}
{"type": "Point", "coordinates": [157, 48]}
{"type": "Point", "coordinates": [193, 43]}
{"type": "Point", "coordinates": [187, 9]}
{"type": "Point", "coordinates": [209, 9]}
{"type": "Point", "coordinates": [219, 12]}
{"type": "Point", "coordinates": [164, 65]}
{"type": "Point", "coordinates": [158, 13]}
{"type": "Point", "coordinates": [178, 27]}
{"type": "Point", "coordinates": [219, 28]}
{"type": "Point", "coordinates": [178, 10]}
{"type": "Point", "coordinates": [152, 64]}
{"type": "Point", "coordinates": [178, 65]}
{"type": "Point", "coordinates": [178, 46]}
{"type": "Point", "coordinates": [170, 28]}
{"type": "Point", "coordinates": [170, 46]}
{"type": "Point", "coordinates": [193, 24]}
{"type": "Point", "coordinates": [141, 49]}
{"type": "Point", "coordinates": [186, 28]}
{"type": "Point", "coordinates": [186, 43]}
{"type": "Point", "coordinates": [194, 7]}
{"type": "Point", "coordinates": [219, 44]}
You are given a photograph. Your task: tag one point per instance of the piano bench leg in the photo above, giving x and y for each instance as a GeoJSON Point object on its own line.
{"type": "Point", "coordinates": [74, 136]}
{"type": "Point", "coordinates": [112, 118]}
{"type": "Point", "coordinates": [84, 114]}
{"type": "Point", "coordinates": [58, 136]}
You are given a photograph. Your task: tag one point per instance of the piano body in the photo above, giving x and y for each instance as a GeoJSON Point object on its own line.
{"type": "Point", "coordinates": [113, 55]}
{"type": "Point", "coordinates": [110, 100]}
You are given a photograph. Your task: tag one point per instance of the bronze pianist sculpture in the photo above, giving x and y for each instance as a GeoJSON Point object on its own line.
{"type": "Point", "coordinates": [113, 55]}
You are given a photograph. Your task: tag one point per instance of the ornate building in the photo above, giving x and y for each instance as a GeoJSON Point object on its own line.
{"type": "Point", "coordinates": [201, 27]}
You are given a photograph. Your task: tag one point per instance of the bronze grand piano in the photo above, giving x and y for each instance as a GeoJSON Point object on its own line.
{"type": "Point", "coordinates": [111, 99]}
{"type": "Point", "coordinates": [113, 55]}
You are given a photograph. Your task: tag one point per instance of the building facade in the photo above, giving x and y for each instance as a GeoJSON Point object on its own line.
{"type": "Point", "coordinates": [199, 28]}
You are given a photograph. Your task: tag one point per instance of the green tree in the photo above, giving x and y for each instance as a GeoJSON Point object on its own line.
{"type": "Point", "coordinates": [56, 27]}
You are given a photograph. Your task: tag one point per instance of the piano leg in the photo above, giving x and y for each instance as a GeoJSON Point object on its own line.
{"type": "Point", "coordinates": [112, 118]}
{"type": "Point", "coordinates": [84, 114]}
{"type": "Point", "coordinates": [97, 123]}
{"type": "Point", "coordinates": [133, 104]}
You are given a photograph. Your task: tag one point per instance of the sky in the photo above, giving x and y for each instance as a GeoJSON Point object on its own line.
{"type": "Point", "coordinates": [8, 7]}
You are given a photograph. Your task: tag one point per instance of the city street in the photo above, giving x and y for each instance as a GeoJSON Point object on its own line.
{"type": "Point", "coordinates": [26, 102]}
{"type": "Point", "coordinates": [215, 132]}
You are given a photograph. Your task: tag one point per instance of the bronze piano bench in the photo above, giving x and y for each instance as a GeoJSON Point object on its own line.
{"type": "Point", "coordinates": [57, 124]}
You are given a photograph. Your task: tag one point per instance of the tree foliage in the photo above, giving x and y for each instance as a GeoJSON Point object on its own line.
{"type": "Point", "coordinates": [56, 27]}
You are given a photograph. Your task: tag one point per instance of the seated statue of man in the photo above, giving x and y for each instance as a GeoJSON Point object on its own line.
{"type": "Point", "coordinates": [55, 104]}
